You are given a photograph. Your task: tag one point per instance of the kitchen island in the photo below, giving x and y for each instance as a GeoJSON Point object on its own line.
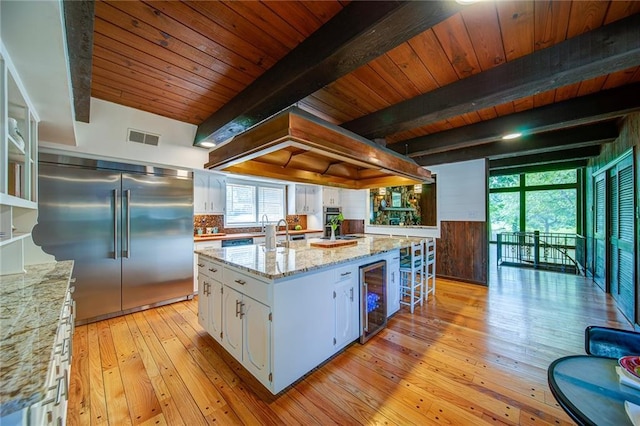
{"type": "Point", "coordinates": [281, 313]}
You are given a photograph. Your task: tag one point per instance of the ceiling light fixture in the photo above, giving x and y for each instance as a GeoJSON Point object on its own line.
{"type": "Point", "coordinates": [466, 2]}
{"type": "Point", "coordinates": [510, 136]}
{"type": "Point", "coordinates": [207, 144]}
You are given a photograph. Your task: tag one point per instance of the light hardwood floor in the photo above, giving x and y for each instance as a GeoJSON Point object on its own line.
{"type": "Point", "coordinates": [471, 355]}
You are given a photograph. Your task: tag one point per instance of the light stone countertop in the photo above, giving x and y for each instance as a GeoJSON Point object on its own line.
{"type": "Point", "coordinates": [30, 309]}
{"type": "Point", "coordinates": [301, 257]}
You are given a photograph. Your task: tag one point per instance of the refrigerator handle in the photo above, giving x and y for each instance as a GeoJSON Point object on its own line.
{"type": "Point", "coordinates": [115, 223]}
{"type": "Point", "coordinates": [127, 193]}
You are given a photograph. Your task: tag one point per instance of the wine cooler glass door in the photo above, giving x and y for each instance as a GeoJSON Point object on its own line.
{"type": "Point", "coordinates": [373, 280]}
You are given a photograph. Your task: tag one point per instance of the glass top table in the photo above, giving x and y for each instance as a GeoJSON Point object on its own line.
{"type": "Point", "coordinates": [588, 389]}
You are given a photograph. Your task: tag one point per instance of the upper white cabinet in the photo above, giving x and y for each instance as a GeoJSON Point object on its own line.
{"type": "Point", "coordinates": [331, 196]}
{"type": "Point", "coordinates": [18, 166]}
{"type": "Point", "coordinates": [209, 196]}
{"type": "Point", "coordinates": [305, 199]}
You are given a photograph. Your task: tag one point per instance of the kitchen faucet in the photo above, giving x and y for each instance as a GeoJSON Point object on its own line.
{"type": "Point", "coordinates": [264, 222]}
{"type": "Point", "coordinates": [286, 228]}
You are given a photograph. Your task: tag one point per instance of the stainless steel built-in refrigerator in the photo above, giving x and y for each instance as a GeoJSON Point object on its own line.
{"type": "Point", "coordinates": [129, 230]}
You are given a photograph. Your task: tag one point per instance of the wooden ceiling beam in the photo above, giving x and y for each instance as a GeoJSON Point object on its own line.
{"type": "Point", "coordinates": [361, 32]}
{"type": "Point", "coordinates": [607, 49]}
{"type": "Point", "coordinates": [599, 106]}
{"type": "Point", "coordinates": [595, 134]}
{"type": "Point", "coordinates": [546, 158]}
{"type": "Point", "coordinates": [78, 22]}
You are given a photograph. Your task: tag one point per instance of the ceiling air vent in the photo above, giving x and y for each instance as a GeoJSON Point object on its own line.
{"type": "Point", "coordinates": [138, 136]}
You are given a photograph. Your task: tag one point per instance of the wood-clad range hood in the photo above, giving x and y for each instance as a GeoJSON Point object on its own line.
{"type": "Point", "coordinates": [296, 146]}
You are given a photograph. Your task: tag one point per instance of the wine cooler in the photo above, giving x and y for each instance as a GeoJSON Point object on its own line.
{"type": "Point", "coordinates": [373, 282]}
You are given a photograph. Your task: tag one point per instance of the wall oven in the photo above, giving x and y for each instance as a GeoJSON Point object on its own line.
{"type": "Point", "coordinates": [373, 290]}
{"type": "Point", "coordinates": [330, 213]}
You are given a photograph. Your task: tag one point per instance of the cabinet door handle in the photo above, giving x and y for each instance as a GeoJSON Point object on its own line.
{"type": "Point", "coordinates": [241, 282]}
{"type": "Point", "coordinates": [237, 308]}
{"type": "Point", "coordinates": [201, 265]}
{"type": "Point", "coordinates": [213, 270]}
{"type": "Point", "coordinates": [351, 290]}
{"type": "Point", "coordinates": [205, 206]}
{"type": "Point", "coordinates": [241, 309]}
{"type": "Point", "coordinates": [344, 274]}
{"type": "Point", "coordinates": [396, 258]}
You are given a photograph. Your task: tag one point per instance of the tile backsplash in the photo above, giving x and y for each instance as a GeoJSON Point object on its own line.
{"type": "Point", "coordinates": [212, 221]}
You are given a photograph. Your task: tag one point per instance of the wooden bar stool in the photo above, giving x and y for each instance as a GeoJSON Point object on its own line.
{"type": "Point", "coordinates": [430, 267]}
{"type": "Point", "coordinates": [412, 276]}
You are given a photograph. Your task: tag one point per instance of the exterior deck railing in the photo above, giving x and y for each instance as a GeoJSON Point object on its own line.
{"type": "Point", "coordinates": [551, 251]}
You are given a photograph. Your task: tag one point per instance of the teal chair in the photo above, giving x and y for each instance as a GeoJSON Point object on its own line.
{"type": "Point", "coordinates": [611, 342]}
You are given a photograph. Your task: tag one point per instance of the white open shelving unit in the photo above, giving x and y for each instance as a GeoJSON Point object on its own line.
{"type": "Point", "coordinates": [19, 171]}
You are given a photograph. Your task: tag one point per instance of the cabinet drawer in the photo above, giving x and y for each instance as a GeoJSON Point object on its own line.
{"type": "Point", "coordinates": [248, 285]}
{"type": "Point", "coordinates": [346, 273]}
{"type": "Point", "coordinates": [209, 268]}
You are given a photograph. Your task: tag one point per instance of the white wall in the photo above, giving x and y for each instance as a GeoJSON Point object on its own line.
{"type": "Point", "coordinates": [461, 191]}
{"type": "Point", "coordinates": [105, 136]}
{"type": "Point", "coordinates": [354, 203]}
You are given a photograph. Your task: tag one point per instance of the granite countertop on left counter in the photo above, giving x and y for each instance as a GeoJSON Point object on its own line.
{"type": "Point", "coordinates": [301, 257]}
{"type": "Point", "coordinates": [30, 308]}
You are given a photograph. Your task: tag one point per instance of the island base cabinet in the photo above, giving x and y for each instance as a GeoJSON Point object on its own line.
{"type": "Point", "coordinates": [210, 297]}
{"type": "Point", "coordinates": [346, 307]}
{"type": "Point", "coordinates": [303, 328]}
{"type": "Point", "coordinates": [215, 310]}
{"type": "Point", "coordinates": [256, 345]}
{"type": "Point", "coordinates": [203, 302]}
{"type": "Point", "coordinates": [246, 333]}
{"type": "Point", "coordinates": [232, 322]}
{"type": "Point", "coordinates": [393, 282]}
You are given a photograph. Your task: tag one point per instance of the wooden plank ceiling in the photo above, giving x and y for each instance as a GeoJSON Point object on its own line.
{"type": "Point", "coordinates": [439, 78]}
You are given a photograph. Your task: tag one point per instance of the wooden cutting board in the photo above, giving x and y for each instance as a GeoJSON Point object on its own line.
{"type": "Point", "coordinates": [333, 244]}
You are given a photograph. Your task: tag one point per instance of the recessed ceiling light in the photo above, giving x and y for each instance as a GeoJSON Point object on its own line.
{"type": "Point", "coordinates": [207, 144]}
{"type": "Point", "coordinates": [509, 136]}
{"type": "Point", "coordinates": [465, 2]}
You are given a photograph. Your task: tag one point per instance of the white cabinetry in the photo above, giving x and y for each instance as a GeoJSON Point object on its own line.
{"type": "Point", "coordinates": [232, 322]}
{"type": "Point", "coordinates": [393, 282]}
{"type": "Point", "coordinates": [18, 167]}
{"type": "Point", "coordinates": [331, 196]}
{"type": "Point", "coordinates": [210, 296]}
{"type": "Point", "coordinates": [246, 323]}
{"type": "Point", "coordinates": [305, 199]}
{"type": "Point", "coordinates": [346, 306]}
{"type": "Point", "coordinates": [201, 245]}
{"type": "Point", "coordinates": [208, 192]}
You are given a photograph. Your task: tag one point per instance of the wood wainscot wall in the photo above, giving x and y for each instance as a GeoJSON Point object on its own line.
{"type": "Point", "coordinates": [461, 251]}
{"type": "Point", "coordinates": [352, 226]}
